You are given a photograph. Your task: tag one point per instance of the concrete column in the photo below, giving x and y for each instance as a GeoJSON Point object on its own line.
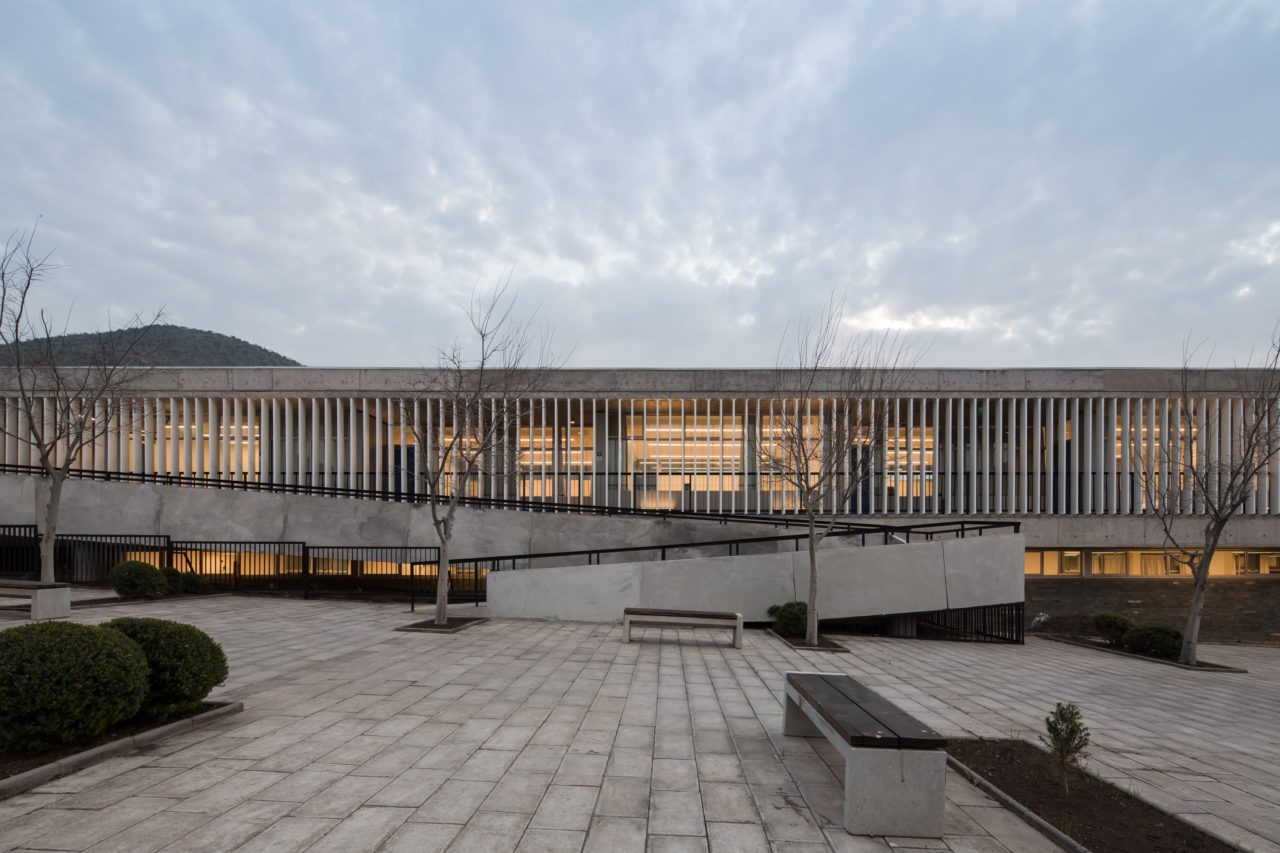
{"type": "Point", "coordinates": [253, 465]}
{"type": "Point", "coordinates": [201, 428]}
{"type": "Point", "coordinates": [314, 428]}
{"type": "Point", "coordinates": [1037, 492]}
{"type": "Point", "coordinates": [186, 467]}
{"type": "Point", "coordinates": [995, 441]}
{"type": "Point", "coordinates": [377, 444]}
{"type": "Point", "coordinates": [326, 442]}
{"type": "Point", "coordinates": [288, 457]}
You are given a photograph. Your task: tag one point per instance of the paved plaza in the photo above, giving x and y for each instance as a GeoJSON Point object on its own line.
{"type": "Point", "coordinates": [540, 736]}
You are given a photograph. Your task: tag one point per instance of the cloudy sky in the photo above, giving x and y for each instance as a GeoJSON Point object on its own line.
{"type": "Point", "coordinates": [667, 183]}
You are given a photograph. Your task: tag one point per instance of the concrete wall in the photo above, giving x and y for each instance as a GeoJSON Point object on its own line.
{"type": "Point", "coordinates": [213, 514]}
{"type": "Point", "coordinates": [607, 383]}
{"type": "Point", "coordinates": [852, 582]}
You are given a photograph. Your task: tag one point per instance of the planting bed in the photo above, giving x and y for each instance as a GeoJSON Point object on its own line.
{"type": "Point", "coordinates": [1096, 814]}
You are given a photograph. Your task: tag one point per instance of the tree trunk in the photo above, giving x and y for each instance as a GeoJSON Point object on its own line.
{"type": "Point", "coordinates": [811, 627]}
{"type": "Point", "coordinates": [442, 576]}
{"type": "Point", "coordinates": [1191, 631]}
{"type": "Point", "coordinates": [50, 535]}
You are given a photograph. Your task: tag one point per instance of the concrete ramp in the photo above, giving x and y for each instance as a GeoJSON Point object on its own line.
{"type": "Point", "coordinates": [945, 574]}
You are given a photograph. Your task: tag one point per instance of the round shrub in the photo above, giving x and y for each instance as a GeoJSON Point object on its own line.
{"type": "Point", "coordinates": [172, 579]}
{"type": "Point", "coordinates": [186, 583]}
{"type": "Point", "coordinates": [1157, 641]}
{"type": "Point", "coordinates": [1112, 627]}
{"type": "Point", "coordinates": [185, 663]}
{"type": "Point", "coordinates": [790, 619]}
{"type": "Point", "coordinates": [135, 579]}
{"type": "Point", "coordinates": [63, 683]}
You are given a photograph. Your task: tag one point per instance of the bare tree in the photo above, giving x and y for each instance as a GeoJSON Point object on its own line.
{"type": "Point", "coordinates": [62, 408]}
{"type": "Point", "coordinates": [479, 387]}
{"type": "Point", "coordinates": [835, 390]}
{"type": "Point", "coordinates": [1215, 459]}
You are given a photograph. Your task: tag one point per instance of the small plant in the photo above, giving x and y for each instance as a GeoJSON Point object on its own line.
{"type": "Point", "coordinates": [790, 619]}
{"type": "Point", "coordinates": [135, 579]}
{"type": "Point", "coordinates": [1067, 741]}
{"type": "Point", "coordinates": [63, 683]}
{"type": "Point", "coordinates": [185, 663]}
{"type": "Point", "coordinates": [1112, 627]}
{"type": "Point", "coordinates": [1157, 641]}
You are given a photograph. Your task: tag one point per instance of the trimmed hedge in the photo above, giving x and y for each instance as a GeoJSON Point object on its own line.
{"type": "Point", "coordinates": [1157, 641]}
{"type": "Point", "coordinates": [135, 579]}
{"type": "Point", "coordinates": [61, 683]}
{"type": "Point", "coordinates": [1112, 627]}
{"type": "Point", "coordinates": [185, 663]}
{"type": "Point", "coordinates": [790, 619]}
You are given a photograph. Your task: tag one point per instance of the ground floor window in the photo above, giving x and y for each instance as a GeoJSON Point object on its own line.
{"type": "Point", "coordinates": [1136, 562]}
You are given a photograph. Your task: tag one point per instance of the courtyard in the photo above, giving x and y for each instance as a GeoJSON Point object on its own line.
{"type": "Point", "coordinates": [547, 736]}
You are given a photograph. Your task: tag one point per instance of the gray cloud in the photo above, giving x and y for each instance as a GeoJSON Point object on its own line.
{"type": "Point", "coordinates": [668, 183]}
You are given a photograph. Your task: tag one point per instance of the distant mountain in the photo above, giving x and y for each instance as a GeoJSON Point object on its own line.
{"type": "Point", "coordinates": [167, 346]}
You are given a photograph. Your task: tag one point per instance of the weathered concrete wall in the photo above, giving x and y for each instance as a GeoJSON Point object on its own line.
{"type": "Point", "coordinates": [1236, 608]}
{"type": "Point", "coordinates": [852, 582]}
{"type": "Point", "coordinates": [606, 383]}
{"type": "Point", "coordinates": [218, 514]}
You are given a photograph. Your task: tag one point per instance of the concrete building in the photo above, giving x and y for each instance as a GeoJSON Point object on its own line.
{"type": "Point", "coordinates": [1068, 453]}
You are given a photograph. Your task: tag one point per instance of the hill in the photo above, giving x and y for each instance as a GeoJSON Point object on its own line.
{"type": "Point", "coordinates": [172, 346]}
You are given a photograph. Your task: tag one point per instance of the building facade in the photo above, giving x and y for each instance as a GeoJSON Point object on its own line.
{"type": "Point", "coordinates": [1062, 450]}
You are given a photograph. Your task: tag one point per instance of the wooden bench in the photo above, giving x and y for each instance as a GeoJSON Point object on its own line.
{"type": "Point", "coordinates": [681, 619]}
{"type": "Point", "coordinates": [48, 600]}
{"type": "Point", "coordinates": [894, 765]}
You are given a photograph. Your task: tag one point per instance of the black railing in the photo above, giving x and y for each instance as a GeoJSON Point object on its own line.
{"type": "Point", "coordinates": [863, 534]}
{"type": "Point", "coordinates": [372, 571]}
{"type": "Point", "coordinates": [88, 559]}
{"type": "Point", "coordinates": [246, 484]}
{"type": "Point", "coordinates": [19, 551]}
{"type": "Point", "coordinates": [993, 623]}
{"type": "Point", "coordinates": [240, 566]}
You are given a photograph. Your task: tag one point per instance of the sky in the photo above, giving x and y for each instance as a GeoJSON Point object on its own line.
{"type": "Point", "coordinates": [667, 184]}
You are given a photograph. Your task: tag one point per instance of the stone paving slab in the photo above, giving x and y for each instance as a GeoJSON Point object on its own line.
{"type": "Point", "coordinates": [522, 735]}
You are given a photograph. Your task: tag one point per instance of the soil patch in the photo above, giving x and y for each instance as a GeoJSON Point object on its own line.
{"type": "Point", "coordinates": [1097, 814]}
{"type": "Point", "coordinates": [453, 626]}
{"type": "Point", "coordinates": [825, 644]}
{"type": "Point", "coordinates": [14, 762]}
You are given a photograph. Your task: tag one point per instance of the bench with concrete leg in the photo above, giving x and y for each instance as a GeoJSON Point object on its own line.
{"type": "Point", "coordinates": [894, 765]}
{"type": "Point", "coordinates": [681, 619]}
{"type": "Point", "coordinates": [48, 600]}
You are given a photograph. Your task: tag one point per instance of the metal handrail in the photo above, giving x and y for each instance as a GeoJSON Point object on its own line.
{"type": "Point", "coordinates": [929, 531]}
{"type": "Point", "coordinates": [247, 485]}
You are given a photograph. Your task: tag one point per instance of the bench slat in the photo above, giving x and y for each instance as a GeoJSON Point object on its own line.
{"type": "Point", "coordinates": [861, 716]}
{"type": "Point", "coordinates": [854, 725]}
{"type": "Point", "coordinates": [685, 614]}
{"type": "Point", "coordinates": [911, 733]}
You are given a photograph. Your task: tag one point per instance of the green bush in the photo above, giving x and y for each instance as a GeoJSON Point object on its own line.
{"type": "Point", "coordinates": [790, 619]}
{"type": "Point", "coordinates": [172, 579]}
{"type": "Point", "coordinates": [186, 583]}
{"type": "Point", "coordinates": [1157, 641]}
{"type": "Point", "coordinates": [185, 663]}
{"type": "Point", "coordinates": [63, 683]}
{"type": "Point", "coordinates": [1112, 627]}
{"type": "Point", "coordinates": [135, 579]}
